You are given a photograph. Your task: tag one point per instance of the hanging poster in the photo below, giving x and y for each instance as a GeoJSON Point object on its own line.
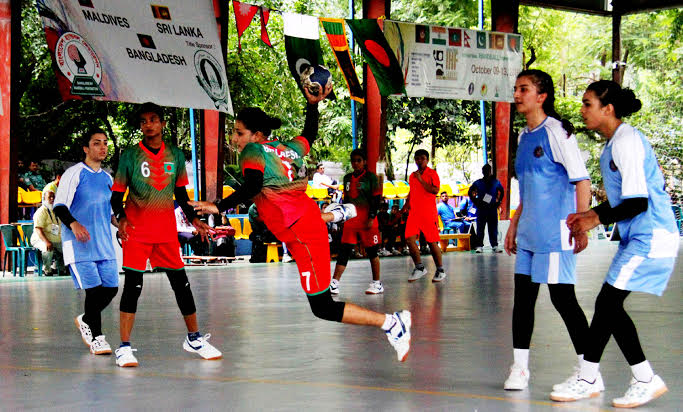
{"type": "Point", "coordinates": [453, 63]}
{"type": "Point", "coordinates": [166, 52]}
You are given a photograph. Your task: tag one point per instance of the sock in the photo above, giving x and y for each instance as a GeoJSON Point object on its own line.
{"type": "Point", "coordinates": [420, 266]}
{"type": "Point", "coordinates": [642, 371]}
{"type": "Point", "coordinates": [521, 357]}
{"type": "Point", "coordinates": [388, 322]}
{"type": "Point", "coordinates": [124, 344]}
{"type": "Point", "coordinates": [580, 357]}
{"type": "Point", "coordinates": [193, 336]}
{"type": "Point", "coordinates": [589, 371]}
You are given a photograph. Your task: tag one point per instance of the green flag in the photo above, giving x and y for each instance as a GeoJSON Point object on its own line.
{"type": "Point", "coordinates": [379, 56]}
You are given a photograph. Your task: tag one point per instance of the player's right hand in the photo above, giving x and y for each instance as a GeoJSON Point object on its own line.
{"type": "Point", "coordinates": [204, 207]}
{"type": "Point", "coordinates": [80, 231]}
{"type": "Point", "coordinates": [511, 240]}
{"type": "Point", "coordinates": [123, 228]}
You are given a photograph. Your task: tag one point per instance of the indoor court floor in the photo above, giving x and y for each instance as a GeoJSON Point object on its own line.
{"type": "Point", "coordinates": [278, 356]}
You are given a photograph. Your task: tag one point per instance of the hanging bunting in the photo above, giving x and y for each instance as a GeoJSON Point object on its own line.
{"type": "Point", "coordinates": [379, 56]}
{"type": "Point", "coordinates": [265, 15]}
{"type": "Point", "coordinates": [336, 34]}
{"type": "Point", "coordinates": [244, 13]}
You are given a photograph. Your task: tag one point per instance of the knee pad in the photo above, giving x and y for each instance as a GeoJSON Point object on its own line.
{"type": "Point", "coordinates": [372, 251]}
{"type": "Point", "coordinates": [132, 287]}
{"type": "Point", "coordinates": [183, 294]}
{"type": "Point", "coordinates": [344, 253]}
{"type": "Point", "coordinates": [324, 307]}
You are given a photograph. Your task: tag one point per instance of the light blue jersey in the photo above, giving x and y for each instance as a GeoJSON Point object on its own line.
{"type": "Point", "coordinates": [649, 241]}
{"type": "Point", "coordinates": [548, 163]}
{"type": "Point", "coordinates": [87, 195]}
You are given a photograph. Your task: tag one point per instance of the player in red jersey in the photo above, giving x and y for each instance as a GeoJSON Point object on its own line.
{"type": "Point", "coordinates": [361, 188]}
{"type": "Point", "coordinates": [424, 185]}
{"type": "Point", "coordinates": [276, 179]}
{"type": "Point", "coordinates": [154, 173]}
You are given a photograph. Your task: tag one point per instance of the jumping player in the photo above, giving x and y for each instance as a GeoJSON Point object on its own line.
{"type": "Point", "coordinates": [82, 204]}
{"type": "Point", "coordinates": [361, 188]}
{"type": "Point", "coordinates": [641, 208]}
{"type": "Point", "coordinates": [275, 178]}
{"type": "Point", "coordinates": [423, 217]}
{"type": "Point", "coordinates": [154, 172]}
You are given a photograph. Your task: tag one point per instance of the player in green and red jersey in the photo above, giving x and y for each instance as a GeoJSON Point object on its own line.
{"type": "Point", "coordinates": [153, 173]}
{"type": "Point", "coordinates": [361, 188]}
{"type": "Point", "coordinates": [276, 179]}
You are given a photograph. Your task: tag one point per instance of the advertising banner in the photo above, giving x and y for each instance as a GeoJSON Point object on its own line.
{"type": "Point", "coordinates": [453, 63]}
{"type": "Point", "coordinates": [166, 52]}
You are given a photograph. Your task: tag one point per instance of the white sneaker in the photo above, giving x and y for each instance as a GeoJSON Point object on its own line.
{"type": "Point", "coordinates": [578, 389]}
{"type": "Point", "coordinates": [334, 286]}
{"type": "Point", "coordinates": [395, 252]}
{"type": "Point", "coordinates": [518, 379]}
{"type": "Point", "coordinates": [286, 258]}
{"type": "Point", "coordinates": [479, 249]}
{"type": "Point", "coordinates": [341, 211]}
{"type": "Point", "coordinates": [100, 346]}
{"type": "Point", "coordinates": [375, 288]}
{"type": "Point", "coordinates": [125, 357]}
{"type": "Point", "coordinates": [384, 253]}
{"type": "Point", "coordinates": [86, 333]}
{"type": "Point", "coordinates": [399, 334]}
{"type": "Point", "coordinates": [201, 347]}
{"type": "Point", "coordinates": [640, 393]}
{"type": "Point", "coordinates": [439, 275]}
{"type": "Point", "coordinates": [497, 249]}
{"type": "Point", "coordinates": [417, 274]}
{"type": "Point", "coordinates": [574, 376]}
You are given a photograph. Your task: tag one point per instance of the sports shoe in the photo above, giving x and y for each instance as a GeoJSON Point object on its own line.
{"type": "Point", "coordinates": [640, 393]}
{"type": "Point", "coordinates": [575, 375]}
{"type": "Point", "coordinates": [518, 379]}
{"type": "Point", "coordinates": [417, 274]}
{"type": "Point", "coordinates": [334, 286]}
{"type": "Point", "coordinates": [384, 253]}
{"type": "Point", "coordinates": [375, 288]}
{"type": "Point", "coordinates": [578, 389]}
{"type": "Point", "coordinates": [86, 333]}
{"type": "Point", "coordinates": [100, 346]}
{"type": "Point", "coordinates": [395, 252]}
{"type": "Point", "coordinates": [202, 347]}
{"type": "Point", "coordinates": [497, 249]}
{"type": "Point", "coordinates": [125, 357]}
{"type": "Point", "coordinates": [439, 275]}
{"type": "Point", "coordinates": [341, 211]}
{"type": "Point", "coordinates": [399, 334]}
{"type": "Point", "coordinates": [479, 250]}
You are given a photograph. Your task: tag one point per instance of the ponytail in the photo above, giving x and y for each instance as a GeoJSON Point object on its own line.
{"type": "Point", "coordinates": [544, 84]}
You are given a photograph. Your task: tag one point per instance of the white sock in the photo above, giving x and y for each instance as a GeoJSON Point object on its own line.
{"type": "Point", "coordinates": [521, 357]}
{"type": "Point", "coordinates": [643, 371]}
{"type": "Point", "coordinates": [589, 371]}
{"type": "Point", "coordinates": [580, 359]}
{"type": "Point", "coordinates": [388, 322]}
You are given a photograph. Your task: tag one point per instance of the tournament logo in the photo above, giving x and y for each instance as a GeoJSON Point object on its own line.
{"type": "Point", "coordinates": [538, 151]}
{"type": "Point", "coordinates": [79, 63]}
{"type": "Point", "coordinates": [484, 89]}
{"type": "Point", "coordinates": [470, 88]}
{"type": "Point", "coordinates": [211, 78]}
{"type": "Point", "coordinates": [612, 166]}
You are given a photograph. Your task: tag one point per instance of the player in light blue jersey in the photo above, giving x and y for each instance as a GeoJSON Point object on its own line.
{"type": "Point", "coordinates": [83, 205]}
{"type": "Point", "coordinates": [641, 208]}
{"type": "Point", "coordinates": [553, 182]}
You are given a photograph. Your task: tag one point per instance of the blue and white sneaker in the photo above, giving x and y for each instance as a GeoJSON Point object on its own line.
{"type": "Point", "coordinates": [201, 347]}
{"type": "Point", "coordinates": [125, 357]}
{"type": "Point", "coordinates": [334, 286]}
{"type": "Point", "coordinates": [341, 211]}
{"type": "Point", "coordinates": [399, 334]}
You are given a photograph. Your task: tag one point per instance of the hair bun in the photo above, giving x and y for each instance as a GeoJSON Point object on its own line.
{"type": "Point", "coordinates": [631, 104]}
{"type": "Point", "coordinates": [274, 123]}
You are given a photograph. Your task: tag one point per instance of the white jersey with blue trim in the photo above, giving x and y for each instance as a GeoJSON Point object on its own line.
{"type": "Point", "coordinates": [629, 170]}
{"type": "Point", "coordinates": [548, 163]}
{"type": "Point", "coordinates": [87, 195]}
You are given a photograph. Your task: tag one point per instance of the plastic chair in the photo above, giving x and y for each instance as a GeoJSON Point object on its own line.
{"type": "Point", "coordinates": [236, 223]}
{"type": "Point", "coordinates": [9, 237]}
{"type": "Point", "coordinates": [320, 194]}
{"type": "Point", "coordinates": [445, 188]}
{"type": "Point", "coordinates": [227, 191]}
{"type": "Point", "coordinates": [389, 190]}
{"type": "Point", "coordinates": [26, 231]}
{"type": "Point", "coordinates": [402, 188]}
{"type": "Point", "coordinates": [246, 230]}
{"type": "Point", "coordinates": [309, 191]}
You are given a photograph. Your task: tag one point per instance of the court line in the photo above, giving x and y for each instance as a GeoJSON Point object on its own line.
{"type": "Point", "coordinates": [569, 406]}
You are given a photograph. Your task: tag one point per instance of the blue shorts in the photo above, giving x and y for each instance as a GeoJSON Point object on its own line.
{"type": "Point", "coordinates": [88, 275]}
{"type": "Point", "coordinates": [550, 268]}
{"type": "Point", "coordinates": [637, 273]}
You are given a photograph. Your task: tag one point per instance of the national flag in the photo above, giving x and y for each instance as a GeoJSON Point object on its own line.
{"type": "Point", "coordinates": [161, 12]}
{"type": "Point", "coordinates": [379, 56]}
{"type": "Point", "coordinates": [244, 13]}
{"type": "Point", "coordinates": [146, 41]}
{"type": "Point", "coordinates": [169, 167]}
{"type": "Point", "coordinates": [86, 3]}
{"type": "Point", "coordinates": [439, 35]}
{"type": "Point", "coordinates": [455, 37]}
{"type": "Point", "coordinates": [265, 15]}
{"type": "Point", "coordinates": [421, 34]}
{"type": "Point", "coordinates": [514, 42]}
{"type": "Point", "coordinates": [466, 39]}
{"type": "Point", "coordinates": [336, 34]}
{"type": "Point", "coordinates": [496, 41]}
{"type": "Point", "coordinates": [481, 40]}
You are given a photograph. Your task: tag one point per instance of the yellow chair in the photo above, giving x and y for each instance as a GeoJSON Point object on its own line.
{"type": "Point", "coordinates": [320, 194]}
{"type": "Point", "coordinates": [309, 191]}
{"type": "Point", "coordinates": [389, 190]}
{"type": "Point", "coordinates": [402, 189]}
{"type": "Point", "coordinates": [31, 198]}
{"type": "Point", "coordinates": [272, 253]}
{"type": "Point", "coordinates": [237, 225]}
{"type": "Point", "coordinates": [190, 194]}
{"type": "Point", "coordinates": [440, 224]}
{"type": "Point", "coordinates": [227, 191]}
{"type": "Point", "coordinates": [246, 230]}
{"type": "Point", "coordinates": [463, 189]}
{"type": "Point", "coordinates": [445, 188]}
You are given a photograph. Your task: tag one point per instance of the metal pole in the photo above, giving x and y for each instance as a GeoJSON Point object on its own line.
{"type": "Point", "coordinates": [195, 167]}
{"type": "Point", "coordinates": [354, 127]}
{"type": "Point", "coordinates": [482, 107]}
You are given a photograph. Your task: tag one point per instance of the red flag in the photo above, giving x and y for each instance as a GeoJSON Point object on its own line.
{"type": "Point", "coordinates": [244, 13]}
{"type": "Point", "coordinates": [265, 14]}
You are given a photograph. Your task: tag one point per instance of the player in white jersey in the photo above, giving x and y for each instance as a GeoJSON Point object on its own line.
{"type": "Point", "coordinates": [637, 202]}
{"type": "Point", "coordinates": [553, 182]}
{"type": "Point", "coordinates": [82, 204]}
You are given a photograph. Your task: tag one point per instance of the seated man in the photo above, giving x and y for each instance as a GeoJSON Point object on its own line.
{"type": "Point", "coordinates": [46, 235]}
{"type": "Point", "coordinates": [469, 214]}
{"type": "Point", "coordinates": [449, 216]}
{"type": "Point", "coordinates": [187, 233]}
{"type": "Point", "coordinates": [33, 179]}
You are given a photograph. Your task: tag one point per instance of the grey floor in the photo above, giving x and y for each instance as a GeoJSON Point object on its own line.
{"type": "Point", "coordinates": [277, 356]}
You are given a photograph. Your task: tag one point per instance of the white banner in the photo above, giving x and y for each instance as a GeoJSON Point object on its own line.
{"type": "Point", "coordinates": [452, 63]}
{"type": "Point", "coordinates": [166, 52]}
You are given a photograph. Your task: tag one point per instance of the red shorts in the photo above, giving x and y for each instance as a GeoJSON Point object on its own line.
{"type": "Point", "coordinates": [160, 255]}
{"type": "Point", "coordinates": [307, 241]}
{"type": "Point", "coordinates": [369, 236]}
{"type": "Point", "coordinates": [427, 225]}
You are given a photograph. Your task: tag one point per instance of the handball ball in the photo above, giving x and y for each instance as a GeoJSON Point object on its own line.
{"type": "Point", "coordinates": [315, 79]}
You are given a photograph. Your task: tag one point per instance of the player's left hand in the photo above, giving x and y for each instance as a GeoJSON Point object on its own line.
{"type": "Point", "coordinates": [582, 222]}
{"type": "Point", "coordinates": [204, 208]}
{"type": "Point", "coordinates": [580, 241]}
{"type": "Point", "coordinates": [202, 229]}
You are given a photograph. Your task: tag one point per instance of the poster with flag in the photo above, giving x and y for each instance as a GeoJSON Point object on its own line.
{"type": "Point", "coordinates": [455, 63]}
{"type": "Point", "coordinates": [378, 55]}
{"type": "Point", "coordinates": [336, 34]}
{"type": "Point", "coordinates": [161, 51]}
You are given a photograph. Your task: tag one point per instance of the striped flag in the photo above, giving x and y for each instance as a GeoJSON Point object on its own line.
{"type": "Point", "coordinates": [336, 34]}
